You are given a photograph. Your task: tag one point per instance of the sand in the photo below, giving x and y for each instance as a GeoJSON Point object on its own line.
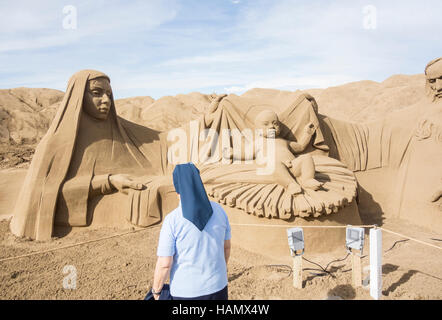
{"type": "Point", "coordinates": [122, 268]}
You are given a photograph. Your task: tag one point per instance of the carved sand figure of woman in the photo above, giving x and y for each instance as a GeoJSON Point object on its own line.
{"type": "Point", "coordinates": [87, 162]}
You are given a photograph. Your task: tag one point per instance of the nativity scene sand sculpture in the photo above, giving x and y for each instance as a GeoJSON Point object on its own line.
{"type": "Point", "coordinates": [96, 168]}
{"type": "Point", "coordinates": [308, 185]}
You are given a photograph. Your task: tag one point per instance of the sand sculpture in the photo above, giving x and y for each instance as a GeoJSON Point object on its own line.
{"type": "Point", "coordinates": [399, 158]}
{"type": "Point", "coordinates": [86, 164]}
{"type": "Point", "coordinates": [309, 184]}
{"type": "Point", "coordinates": [94, 167]}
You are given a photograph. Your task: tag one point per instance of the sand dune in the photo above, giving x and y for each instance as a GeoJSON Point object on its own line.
{"type": "Point", "coordinates": [25, 113]}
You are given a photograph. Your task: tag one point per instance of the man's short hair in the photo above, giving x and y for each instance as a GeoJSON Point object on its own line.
{"type": "Point", "coordinates": [431, 63]}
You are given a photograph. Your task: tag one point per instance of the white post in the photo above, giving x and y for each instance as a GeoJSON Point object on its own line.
{"type": "Point", "coordinates": [376, 263]}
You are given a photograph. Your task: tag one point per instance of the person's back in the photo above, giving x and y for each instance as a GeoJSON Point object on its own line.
{"type": "Point", "coordinates": [194, 244]}
{"type": "Point", "coordinates": [199, 266]}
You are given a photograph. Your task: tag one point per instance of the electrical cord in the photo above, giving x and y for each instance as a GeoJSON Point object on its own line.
{"type": "Point", "coordinates": [394, 244]}
{"type": "Point", "coordinates": [323, 271]}
{"type": "Point", "coordinates": [326, 272]}
{"type": "Point", "coordinates": [339, 260]}
{"type": "Point", "coordinates": [317, 264]}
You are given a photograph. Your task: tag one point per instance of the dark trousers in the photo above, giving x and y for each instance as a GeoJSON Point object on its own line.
{"type": "Point", "coordinates": [219, 295]}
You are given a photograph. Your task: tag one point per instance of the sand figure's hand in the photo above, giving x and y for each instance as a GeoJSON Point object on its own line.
{"type": "Point", "coordinates": [216, 97]}
{"type": "Point", "coordinates": [123, 182]}
{"type": "Point", "coordinates": [310, 129]}
{"type": "Point", "coordinates": [214, 102]}
{"type": "Point", "coordinates": [212, 110]}
{"type": "Point", "coordinates": [288, 163]}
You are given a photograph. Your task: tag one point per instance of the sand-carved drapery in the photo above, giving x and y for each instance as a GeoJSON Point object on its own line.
{"type": "Point", "coordinates": [239, 185]}
{"type": "Point", "coordinates": [106, 169]}
{"type": "Point", "coordinates": [70, 172]}
{"type": "Point", "coordinates": [405, 149]}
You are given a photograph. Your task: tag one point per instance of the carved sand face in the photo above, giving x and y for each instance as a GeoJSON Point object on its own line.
{"type": "Point", "coordinates": [98, 98]}
{"type": "Point", "coordinates": [434, 81]}
{"type": "Point", "coordinates": [268, 122]}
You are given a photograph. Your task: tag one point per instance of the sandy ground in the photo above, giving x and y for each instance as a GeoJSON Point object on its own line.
{"type": "Point", "coordinates": [16, 156]}
{"type": "Point", "coordinates": [122, 268]}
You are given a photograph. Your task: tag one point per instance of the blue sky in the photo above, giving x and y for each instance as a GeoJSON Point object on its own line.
{"type": "Point", "coordinates": [167, 47]}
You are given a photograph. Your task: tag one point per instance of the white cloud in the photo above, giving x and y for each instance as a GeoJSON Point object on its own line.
{"type": "Point", "coordinates": [176, 46]}
{"type": "Point", "coordinates": [232, 56]}
{"type": "Point", "coordinates": [37, 25]}
{"type": "Point", "coordinates": [296, 83]}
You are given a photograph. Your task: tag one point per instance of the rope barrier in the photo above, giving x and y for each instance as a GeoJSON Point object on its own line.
{"type": "Point", "coordinates": [76, 244]}
{"type": "Point", "coordinates": [232, 224]}
{"type": "Point", "coordinates": [359, 226]}
{"type": "Point", "coordinates": [294, 226]}
{"type": "Point", "coordinates": [412, 239]}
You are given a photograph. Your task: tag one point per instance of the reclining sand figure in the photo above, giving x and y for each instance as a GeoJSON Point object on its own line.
{"type": "Point", "coordinates": [289, 165]}
{"type": "Point", "coordinates": [238, 185]}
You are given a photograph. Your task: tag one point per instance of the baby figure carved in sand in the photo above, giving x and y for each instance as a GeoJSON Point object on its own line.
{"type": "Point", "coordinates": [289, 167]}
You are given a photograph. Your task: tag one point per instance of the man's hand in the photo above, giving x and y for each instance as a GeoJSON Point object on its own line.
{"type": "Point", "coordinates": [123, 182]}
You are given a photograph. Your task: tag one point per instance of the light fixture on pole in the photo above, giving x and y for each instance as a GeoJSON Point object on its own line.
{"type": "Point", "coordinates": [354, 240]}
{"type": "Point", "coordinates": [296, 244]}
{"type": "Point", "coordinates": [296, 241]}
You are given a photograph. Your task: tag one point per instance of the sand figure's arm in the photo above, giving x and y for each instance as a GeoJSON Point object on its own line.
{"type": "Point", "coordinates": [301, 145]}
{"type": "Point", "coordinates": [211, 111]}
{"type": "Point", "coordinates": [228, 153]}
{"type": "Point", "coordinates": [107, 183]}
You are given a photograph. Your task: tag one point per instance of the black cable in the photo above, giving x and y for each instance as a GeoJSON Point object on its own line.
{"type": "Point", "coordinates": [317, 264]}
{"type": "Point", "coordinates": [320, 274]}
{"type": "Point", "coordinates": [337, 260]}
{"type": "Point", "coordinates": [394, 244]}
{"type": "Point", "coordinates": [324, 270]}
